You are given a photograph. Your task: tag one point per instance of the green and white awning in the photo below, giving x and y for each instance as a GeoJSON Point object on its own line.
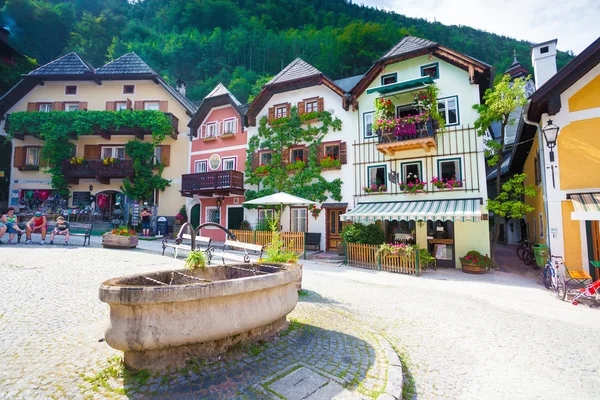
{"type": "Point", "coordinates": [432, 210]}
{"type": "Point", "coordinates": [587, 207]}
{"type": "Point", "coordinates": [404, 86]}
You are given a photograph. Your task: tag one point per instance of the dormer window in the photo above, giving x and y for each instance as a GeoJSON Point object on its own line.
{"type": "Point", "coordinates": [71, 90]}
{"type": "Point", "coordinates": [389, 79]}
{"type": "Point", "coordinates": [128, 89]}
{"type": "Point", "coordinates": [431, 70]}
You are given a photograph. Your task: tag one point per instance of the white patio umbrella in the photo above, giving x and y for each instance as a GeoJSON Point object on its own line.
{"type": "Point", "coordinates": [280, 199]}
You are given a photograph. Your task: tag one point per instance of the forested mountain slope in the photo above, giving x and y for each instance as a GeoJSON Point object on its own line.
{"type": "Point", "coordinates": [237, 42]}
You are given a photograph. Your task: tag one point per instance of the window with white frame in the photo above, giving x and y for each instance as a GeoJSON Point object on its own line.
{"type": "Point", "coordinates": [120, 105]}
{"type": "Point", "coordinates": [311, 105]}
{"type": "Point", "coordinates": [157, 155]}
{"type": "Point", "coordinates": [265, 158]}
{"type": "Point", "coordinates": [448, 107]}
{"type": "Point", "coordinates": [113, 152]}
{"type": "Point", "coordinates": [368, 124]}
{"type": "Point", "coordinates": [152, 105]}
{"type": "Point", "coordinates": [389, 79]}
{"type": "Point", "coordinates": [211, 130]}
{"type": "Point", "coordinates": [411, 172]}
{"type": "Point", "coordinates": [299, 219]}
{"type": "Point", "coordinates": [230, 125]}
{"type": "Point", "coordinates": [377, 175]}
{"type": "Point", "coordinates": [450, 170]}
{"type": "Point", "coordinates": [264, 215]}
{"type": "Point", "coordinates": [229, 164]}
{"type": "Point", "coordinates": [71, 106]}
{"type": "Point", "coordinates": [45, 107]}
{"type": "Point", "coordinates": [33, 156]}
{"type": "Point", "coordinates": [213, 215]}
{"type": "Point", "coordinates": [201, 166]}
{"type": "Point", "coordinates": [281, 111]}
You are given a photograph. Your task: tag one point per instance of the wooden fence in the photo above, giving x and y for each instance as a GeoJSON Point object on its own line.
{"type": "Point", "coordinates": [365, 256]}
{"type": "Point", "coordinates": [294, 241]}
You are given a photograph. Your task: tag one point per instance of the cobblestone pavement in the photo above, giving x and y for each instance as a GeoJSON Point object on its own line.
{"type": "Point", "coordinates": [498, 336]}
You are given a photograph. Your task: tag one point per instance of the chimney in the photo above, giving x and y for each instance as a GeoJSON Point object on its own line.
{"type": "Point", "coordinates": [181, 86]}
{"type": "Point", "coordinates": [543, 59]}
{"type": "Point", "coordinates": [4, 32]}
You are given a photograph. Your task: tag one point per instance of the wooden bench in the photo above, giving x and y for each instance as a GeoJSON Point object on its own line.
{"type": "Point", "coordinates": [313, 239]}
{"type": "Point", "coordinates": [86, 234]}
{"type": "Point", "coordinates": [245, 258]}
{"type": "Point", "coordinates": [179, 245]}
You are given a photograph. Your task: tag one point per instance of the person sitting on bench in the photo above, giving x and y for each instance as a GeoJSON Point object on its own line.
{"type": "Point", "coordinates": [10, 220]}
{"type": "Point", "coordinates": [37, 223]}
{"type": "Point", "coordinates": [61, 228]}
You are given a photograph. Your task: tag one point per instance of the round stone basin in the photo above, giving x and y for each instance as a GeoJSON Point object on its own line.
{"type": "Point", "coordinates": [163, 318]}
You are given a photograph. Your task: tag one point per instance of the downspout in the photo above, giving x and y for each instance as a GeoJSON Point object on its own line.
{"type": "Point", "coordinates": [543, 170]}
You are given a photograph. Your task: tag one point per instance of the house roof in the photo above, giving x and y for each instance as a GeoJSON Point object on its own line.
{"type": "Point", "coordinates": [408, 45]}
{"type": "Point", "coordinates": [69, 64]}
{"type": "Point", "coordinates": [547, 98]}
{"type": "Point", "coordinates": [516, 70]}
{"type": "Point", "coordinates": [348, 83]}
{"type": "Point", "coordinates": [219, 96]}
{"type": "Point", "coordinates": [129, 63]}
{"type": "Point", "coordinates": [297, 69]}
{"type": "Point", "coordinates": [221, 90]}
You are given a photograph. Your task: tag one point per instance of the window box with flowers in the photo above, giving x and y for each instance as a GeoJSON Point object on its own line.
{"type": "Point", "coordinates": [330, 162]}
{"type": "Point", "coordinates": [262, 169]}
{"type": "Point", "coordinates": [228, 135]}
{"type": "Point", "coordinates": [29, 167]}
{"type": "Point", "coordinates": [375, 188]}
{"type": "Point", "coordinates": [78, 161]}
{"type": "Point", "coordinates": [120, 238]}
{"type": "Point", "coordinates": [108, 161]}
{"type": "Point", "coordinates": [413, 187]}
{"type": "Point", "coordinates": [297, 165]}
{"type": "Point", "coordinates": [476, 263]}
{"type": "Point", "coordinates": [315, 211]}
{"type": "Point", "coordinates": [442, 184]}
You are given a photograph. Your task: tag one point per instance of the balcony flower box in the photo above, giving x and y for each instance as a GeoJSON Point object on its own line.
{"type": "Point", "coordinates": [442, 184]}
{"type": "Point", "coordinates": [209, 138]}
{"type": "Point", "coordinates": [331, 163]}
{"type": "Point", "coordinates": [228, 135]}
{"type": "Point", "coordinates": [29, 167]}
{"type": "Point", "coordinates": [120, 238]}
{"type": "Point", "coordinates": [413, 187]}
{"type": "Point", "coordinates": [375, 188]}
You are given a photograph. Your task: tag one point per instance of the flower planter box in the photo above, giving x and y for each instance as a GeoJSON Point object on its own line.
{"type": "Point", "coordinates": [331, 168]}
{"type": "Point", "coordinates": [208, 139]}
{"type": "Point", "coordinates": [227, 135]}
{"type": "Point", "coordinates": [119, 242]}
{"type": "Point", "coordinates": [473, 268]}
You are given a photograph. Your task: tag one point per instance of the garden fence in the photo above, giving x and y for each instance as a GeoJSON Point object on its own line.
{"type": "Point", "coordinates": [294, 241]}
{"type": "Point", "coordinates": [365, 256]}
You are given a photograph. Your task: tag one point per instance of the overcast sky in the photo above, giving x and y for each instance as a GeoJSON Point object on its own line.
{"type": "Point", "coordinates": [576, 23]}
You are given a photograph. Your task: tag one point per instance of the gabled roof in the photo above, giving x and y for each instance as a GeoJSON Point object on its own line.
{"type": "Point", "coordinates": [297, 69]}
{"type": "Point", "coordinates": [408, 45]}
{"type": "Point", "coordinates": [296, 75]}
{"type": "Point", "coordinates": [219, 96]}
{"type": "Point", "coordinates": [129, 63]}
{"type": "Point", "coordinates": [70, 64]}
{"type": "Point", "coordinates": [516, 70]}
{"type": "Point", "coordinates": [348, 83]}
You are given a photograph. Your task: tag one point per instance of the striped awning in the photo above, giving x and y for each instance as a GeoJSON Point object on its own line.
{"type": "Point", "coordinates": [433, 210]}
{"type": "Point", "coordinates": [587, 207]}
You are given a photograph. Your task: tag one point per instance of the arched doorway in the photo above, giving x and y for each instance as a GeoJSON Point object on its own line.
{"type": "Point", "coordinates": [105, 203]}
{"type": "Point", "coordinates": [195, 216]}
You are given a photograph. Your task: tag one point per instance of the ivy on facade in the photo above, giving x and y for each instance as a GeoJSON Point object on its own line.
{"type": "Point", "coordinates": [144, 181]}
{"type": "Point", "coordinates": [281, 134]}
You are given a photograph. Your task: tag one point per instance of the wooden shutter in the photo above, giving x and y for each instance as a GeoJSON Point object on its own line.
{"type": "Point", "coordinates": [91, 152]}
{"type": "Point", "coordinates": [31, 107]}
{"type": "Point", "coordinates": [320, 152]}
{"type": "Point", "coordinates": [128, 104]}
{"type": "Point", "coordinates": [83, 105]}
{"type": "Point", "coordinates": [343, 153]}
{"type": "Point", "coordinates": [305, 154]}
{"type": "Point", "coordinates": [19, 156]}
{"type": "Point", "coordinates": [285, 156]}
{"type": "Point", "coordinates": [163, 106]}
{"type": "Point", "coordinates": [271, 114]}
{"type": "Point", "coordinates": [301, 108]}
{"type": "Point", "coordinates": [288, 108]}
{"type": "Point", "coordinates": [58, 106]}
{"type": "Point", "coordinates": [320, 105]}
{"type": "Point", "coordinates": [138, 105]}
{"type": "Point", "coordinates": [165, 154]}
{"type": "Point", "coordinates": [203, 131]}
{"type": "Point", "coordinates": [110, 106]}
{"type": "Point", "coordinates": [255, 160]}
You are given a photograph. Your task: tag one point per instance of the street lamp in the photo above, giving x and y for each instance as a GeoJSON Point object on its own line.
{"type": "Point", "coordinates": [550, 134]}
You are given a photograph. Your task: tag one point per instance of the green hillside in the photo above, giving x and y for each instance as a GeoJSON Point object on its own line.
{"type": "Point", "coordinates": [237, 42]}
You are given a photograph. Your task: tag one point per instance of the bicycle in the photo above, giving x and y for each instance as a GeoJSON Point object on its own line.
{"type": "Point", "coordinates": [525, 252]}
{"type": "Point", "coordinates": [553, 279]}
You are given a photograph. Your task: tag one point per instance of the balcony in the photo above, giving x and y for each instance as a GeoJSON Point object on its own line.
{"type": "Point", "coordinates": [219, 183]}
{"type": "Point", "coordinates": [95, 169]}
{"type": "Point", "coordinates": [408, 136]}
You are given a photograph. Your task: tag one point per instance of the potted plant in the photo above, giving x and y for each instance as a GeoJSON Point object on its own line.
{"type": "Point", "coordinates": [315, 211]}
{"type": "Point", "coordinates": [120, 238]}
{"type": "Point", "coordinates": [196, 259]}
{"type": "Point", "coordinates": [476, 263]}
{"type": "Point", "coordinates": [245, 226]}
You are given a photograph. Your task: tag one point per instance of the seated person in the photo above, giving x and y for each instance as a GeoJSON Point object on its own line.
{"type": "Point", "coordinates": [37, 224]}
{"type": "Point", "coordinates": [3, 227]}
{"type": "Point", "coordinates": [10, 220]}
{"type": "Point", "coordinates": [61, 228]}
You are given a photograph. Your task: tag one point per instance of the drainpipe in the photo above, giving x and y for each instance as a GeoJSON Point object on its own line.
{"type": "Point", "coordinates": [542, 168]}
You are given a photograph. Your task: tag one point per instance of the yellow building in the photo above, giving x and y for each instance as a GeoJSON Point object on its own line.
{"type": "Point", "coordinates": [567, 173]}
{"type": "Point", "coordinates": [71, 84]}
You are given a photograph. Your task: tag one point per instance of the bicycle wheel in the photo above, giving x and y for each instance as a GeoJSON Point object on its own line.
{"type": "Point", "coordinates": [528, 257]}
{"type": "Point", "coordinates": [520, 253]}
{"type": "Point", "coordinates": [548, 277]}
{"type": "Point", "coordinates": [561, 287]}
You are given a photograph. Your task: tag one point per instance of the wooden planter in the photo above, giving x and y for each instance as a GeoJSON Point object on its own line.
{"type": "Point", "coordinates": [472, 268]}
{"type": "Point", "coordinates": [119, 242]}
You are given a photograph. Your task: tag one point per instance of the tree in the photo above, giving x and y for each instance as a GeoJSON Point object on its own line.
{"type": "Point", "coordinates": [143, 181]}
{"type": "Point", "coordinates": [498, 105]}
{"type": "Point", "coordinates": [509, 202]}
{"type": "Point", "coordinates": [300, 178]}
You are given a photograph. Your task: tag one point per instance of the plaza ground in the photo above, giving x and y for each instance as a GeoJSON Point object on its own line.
{"type": "Point", "coordinates": [498, 336]}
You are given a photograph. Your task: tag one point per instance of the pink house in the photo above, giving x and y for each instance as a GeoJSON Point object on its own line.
{"type": "Point", "coordinates": [214, 185]}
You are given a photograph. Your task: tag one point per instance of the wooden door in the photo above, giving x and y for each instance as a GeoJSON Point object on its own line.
{"type": "Point", "coordinates": [235, 216]}
{"type": "Point", "coordinates": [195, 216]}
{"type": "Point", "coordinates": [334, 227]}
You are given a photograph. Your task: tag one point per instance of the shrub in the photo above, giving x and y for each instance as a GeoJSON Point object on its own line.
{"type": "Point", "coordinates": [245, 226]}
{"type": "Point", "coordinates": [476, 258]}
{"type": "Point", "coordinates": [123, 231]}
{"type": "Point", "coordinates": [196, 259]}
{"type": "Point", "coordinates": [183, 213]}
{"type": "Point", "coordinates": [363, 234]}
{"type": "Point", "coordinates": [276, 251]}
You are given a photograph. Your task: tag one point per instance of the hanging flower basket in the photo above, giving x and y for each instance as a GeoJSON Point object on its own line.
{"type": "Point", "coordinates": [315, 211]}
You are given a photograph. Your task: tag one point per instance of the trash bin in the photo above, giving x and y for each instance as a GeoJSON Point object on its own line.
{"type": "Point", "coordinates": [541, 254]}
{"type": "Point", "coordinates": [162, 226]}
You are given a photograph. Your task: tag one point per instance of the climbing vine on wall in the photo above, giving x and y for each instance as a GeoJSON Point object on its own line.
{"type": "Point", "coordinates": [57, 128]}
{"type": "Point", "coordinates": [144, 181]}
{"type": "Point", "coordinates": [304, 181]}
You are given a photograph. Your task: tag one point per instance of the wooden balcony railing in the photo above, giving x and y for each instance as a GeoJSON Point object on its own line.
{"type": "Point", "coordinates": [212, 183]}
{"type": "Point", "coordinates": [96, 169]}
{"type": "Point", "coordinates": [407, 136]}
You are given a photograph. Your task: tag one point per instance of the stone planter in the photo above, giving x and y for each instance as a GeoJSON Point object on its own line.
{"type": "Point", "coordinates": [119, 242]}
{"type": "Point", "coordinates": [163, 318]}
{"type": "Point", "coordinates": [472, 268]}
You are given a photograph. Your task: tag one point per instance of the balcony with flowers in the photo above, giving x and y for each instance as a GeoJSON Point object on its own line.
{"type": "Point", "coordinates": [414, 131]}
